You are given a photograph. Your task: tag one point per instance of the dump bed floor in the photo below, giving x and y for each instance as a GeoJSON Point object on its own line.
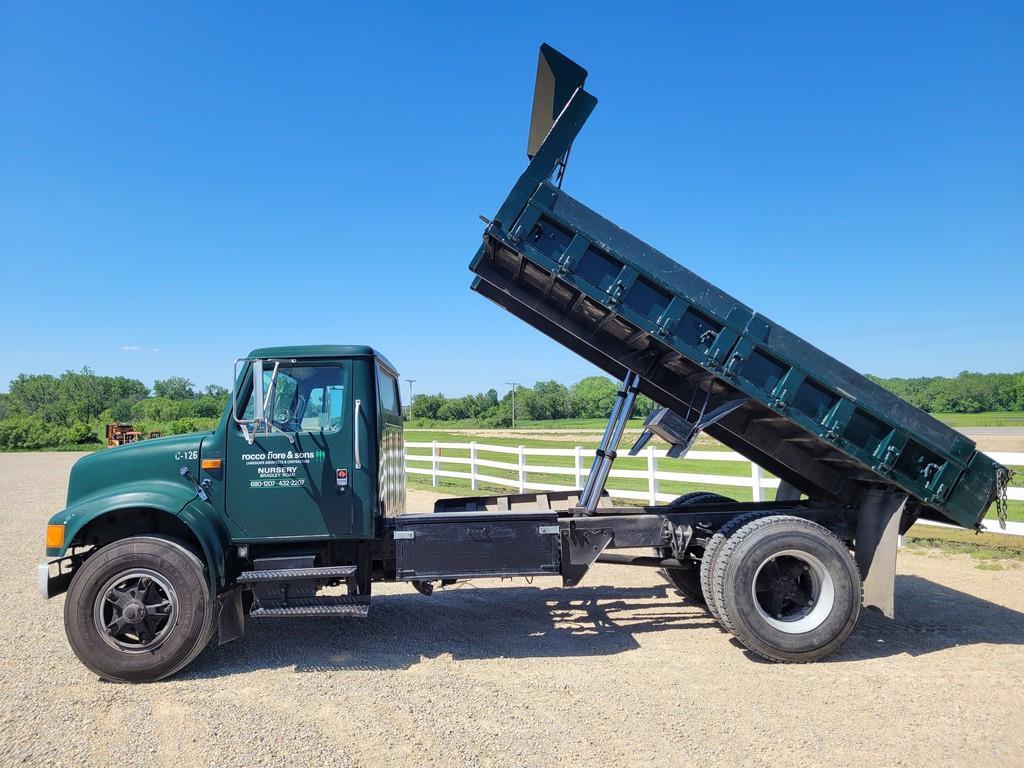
{"type": "Point", "coordinates": [812, 421]}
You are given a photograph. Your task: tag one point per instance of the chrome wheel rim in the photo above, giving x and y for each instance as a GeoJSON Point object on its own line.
{"type": "Point", "coordinates": [793, 591]}
{"type": "Point", "coordinates": [135, 611]}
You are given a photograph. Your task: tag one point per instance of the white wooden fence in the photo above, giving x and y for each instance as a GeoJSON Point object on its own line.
{"type": "Point", "coordinates": [529, 477]}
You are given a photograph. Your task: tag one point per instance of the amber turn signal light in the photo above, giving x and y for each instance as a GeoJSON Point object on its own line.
{"type": "Point", "coordinates": [211, 464]}
{"type": "Point", "coordinates": [54, 536]}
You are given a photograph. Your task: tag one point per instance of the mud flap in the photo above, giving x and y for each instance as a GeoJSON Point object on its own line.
{"type": "Point", "coordinates": [877, 537]}
{"type": "Point", "coordinates": [230, 617]}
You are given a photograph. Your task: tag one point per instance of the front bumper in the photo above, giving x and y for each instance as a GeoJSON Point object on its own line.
{"type": "Point", "coordinates": [53, 577]}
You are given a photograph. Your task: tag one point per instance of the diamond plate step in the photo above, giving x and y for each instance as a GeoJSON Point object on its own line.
{"type": "Point", "coordinates": [294, 574]}
{"type": "Point", "coordinates": [357, 606]}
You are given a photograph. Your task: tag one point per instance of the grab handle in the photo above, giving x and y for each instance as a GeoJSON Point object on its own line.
{"type": "Point", "coordinates": [355, 436]}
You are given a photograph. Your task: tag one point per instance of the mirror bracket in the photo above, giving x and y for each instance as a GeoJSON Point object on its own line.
{"type": "Point", "coordinates": [261, 401]}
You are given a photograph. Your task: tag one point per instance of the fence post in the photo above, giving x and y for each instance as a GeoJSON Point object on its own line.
{"type": "Point", "coordinates": [433, 464]}
{"type": "Point", "coordinates": [652, 476]}
{"type": "Point", "coordinates": [472, 465]}
{"type": "Point", "coordinates": [578, 466]}
{"type": "Point", "coordinates": [755, 482]}
{"type": "Point", "coordinates": [522, 469]}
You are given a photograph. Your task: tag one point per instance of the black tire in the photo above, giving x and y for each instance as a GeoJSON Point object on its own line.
{"type": "Point", "coordinates": [164, 573]}
{"type": "Point", "coordinates": [688, 581]}
{"type": "Point", "coordinates": [708, 561]}
{"type": "Point", "coordinates": [816, 589]}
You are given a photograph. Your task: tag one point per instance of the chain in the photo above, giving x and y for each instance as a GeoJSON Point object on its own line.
{"type": "Point", "coordinates": [1003, 476]}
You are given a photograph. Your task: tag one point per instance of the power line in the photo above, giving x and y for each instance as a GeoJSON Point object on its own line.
{"type": "Point", "coordinates": [920, 327]}
{"type": "Point", "coordinates": [895, 347]}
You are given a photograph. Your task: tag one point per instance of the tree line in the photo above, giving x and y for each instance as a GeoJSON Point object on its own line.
{"type": "Point", "coordinates": [589, 398]}
{"type": "Point", "coordinates": [70, 410]}
{"type": "Point", "coordinates": [592, 398]}
{"type": "Point", "coordinates": [965, 393]}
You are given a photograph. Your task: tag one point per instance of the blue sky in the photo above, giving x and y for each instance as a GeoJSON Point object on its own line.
{"type": "Point", "coordinates": [203, 179]}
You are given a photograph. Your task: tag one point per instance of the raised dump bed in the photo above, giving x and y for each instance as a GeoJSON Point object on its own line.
{"type": "Point", "coordinates": [623, 305]}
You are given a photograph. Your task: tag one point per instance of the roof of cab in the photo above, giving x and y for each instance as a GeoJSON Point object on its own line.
{"type": "Point", "coordinates": [322, 351]}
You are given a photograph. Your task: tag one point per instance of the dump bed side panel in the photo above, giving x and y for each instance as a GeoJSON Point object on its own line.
{"type": "Point", "coordinates": [808, 418]}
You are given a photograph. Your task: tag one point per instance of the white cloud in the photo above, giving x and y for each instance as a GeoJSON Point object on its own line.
{"type": "Point", "coordinates": [131, 347]}
{"type": "Point", "coordinates": [156, 349]}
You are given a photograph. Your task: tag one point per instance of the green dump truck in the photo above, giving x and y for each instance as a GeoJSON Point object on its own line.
{"type": "Point", "coordinates": [295, 504]}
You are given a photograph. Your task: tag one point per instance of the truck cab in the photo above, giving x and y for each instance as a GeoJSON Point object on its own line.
{"type": "Point", "coordinates": [304, 471]}
{"type": "Point", "coordinates": [321, 459]}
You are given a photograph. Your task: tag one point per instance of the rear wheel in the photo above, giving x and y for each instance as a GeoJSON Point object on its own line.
{"type": "Point", "coordinates": [139, 609]}
{"type": "Point", "coordinates": [687, 580]}
{"type": "Point", "coordinates": [788, 589]}
{"type": "Point", "coordinates": [710, 558]}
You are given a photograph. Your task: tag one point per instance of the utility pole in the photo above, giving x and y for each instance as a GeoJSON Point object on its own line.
{"type": "Point", "coordinates": [411, 382]}
{"type": "Point", "coordinates": [513, 384]}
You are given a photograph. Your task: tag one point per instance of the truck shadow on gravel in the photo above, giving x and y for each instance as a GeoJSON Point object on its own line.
{"type": "Point", "coordinates": [404, 630]}
{"type": "Point", "coordinates": [931, 617]}
{"type": "Point", "coordinates": [466, 622]}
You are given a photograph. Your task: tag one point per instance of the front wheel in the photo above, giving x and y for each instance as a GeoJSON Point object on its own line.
{"type": "Point", "coordinates": [788, 588]}
{"type": "Point", "coordinates": [139, 609]}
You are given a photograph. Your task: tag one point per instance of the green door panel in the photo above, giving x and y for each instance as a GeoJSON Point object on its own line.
{"type": "Point", "coordinates": [285, 484]}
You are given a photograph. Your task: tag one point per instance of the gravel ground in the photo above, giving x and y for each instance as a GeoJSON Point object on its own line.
{"type": "Point", "coordinates": [619, 671]}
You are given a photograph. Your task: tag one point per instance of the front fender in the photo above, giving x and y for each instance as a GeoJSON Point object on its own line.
{"type": "Point", "coordinates": [165, 496]}
{"type": "Point", "coordinates": [162, 495]}
{"type": "Point", "coordinates": [206, 524]}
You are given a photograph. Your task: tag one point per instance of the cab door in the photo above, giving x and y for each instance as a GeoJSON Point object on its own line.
{"type": "Point", "coordinates": [292, 479]}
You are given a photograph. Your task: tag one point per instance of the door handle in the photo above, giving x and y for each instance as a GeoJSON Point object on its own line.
{"type": "Point", "coordinates": [355, 436]}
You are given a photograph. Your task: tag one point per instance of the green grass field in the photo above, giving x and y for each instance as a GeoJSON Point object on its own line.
{"type": "Point", "coordinates": [582, 424]}
{"type": "Point", "coordinates": [985, 419]}
{"type": "Point", "coordinates": [458, 485]}
{"type": "Point", "coordinates": [692, 466]}
{"type": "Point", "coordinates": [985, 547]}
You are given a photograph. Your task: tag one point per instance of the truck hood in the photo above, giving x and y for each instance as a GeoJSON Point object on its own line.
{"type": "Point", "coordinates": [159, 459]}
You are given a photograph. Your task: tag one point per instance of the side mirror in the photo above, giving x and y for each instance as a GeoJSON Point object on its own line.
{"type": "Point", "coordinates": [260, 399]}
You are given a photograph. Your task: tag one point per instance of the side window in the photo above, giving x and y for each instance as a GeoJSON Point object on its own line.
{"type": "Point", "coordinates": [305, 398]}
{"type": "Point", "coordinates": [387, 391]}
{"type": "Point", "coordinates": [324, 409]}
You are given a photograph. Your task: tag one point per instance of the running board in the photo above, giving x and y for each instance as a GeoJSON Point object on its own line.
{"type": "Point", "coordinates": [297, 574]}
{"type": "Point", "coordinates": [351, 606]}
